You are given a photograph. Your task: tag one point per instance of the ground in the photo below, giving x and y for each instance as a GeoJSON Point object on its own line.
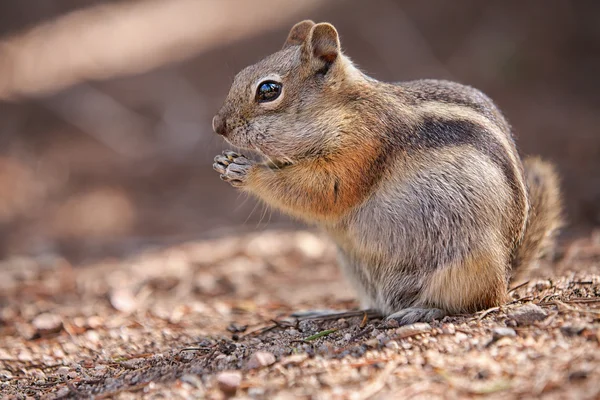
{"type": "Point", "coordinates": [211, 319]}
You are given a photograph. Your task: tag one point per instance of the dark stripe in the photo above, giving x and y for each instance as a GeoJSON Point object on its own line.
{"type": "Point", "coordinates": [452, 93]}
{"type": "Point", "coordinates": [336, 188]}
{"type": "Point", "coordinates": [435, 132]}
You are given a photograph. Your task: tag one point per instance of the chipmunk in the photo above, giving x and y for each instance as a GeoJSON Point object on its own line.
{"type": "Point", "coordinates": [419, 184]}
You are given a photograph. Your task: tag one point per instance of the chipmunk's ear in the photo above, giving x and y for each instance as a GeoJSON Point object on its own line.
{"type": "Point", "coordinates": [324, 43]}
{"type": "Point", "coordinates": [298, 33]}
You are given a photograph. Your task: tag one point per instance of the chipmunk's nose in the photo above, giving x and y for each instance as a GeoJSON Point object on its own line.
{"type": "Point", "coordinates": [219, 125]}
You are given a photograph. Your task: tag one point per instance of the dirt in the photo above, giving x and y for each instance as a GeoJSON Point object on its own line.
{"type": "Point", "coordinates": [212, 319]}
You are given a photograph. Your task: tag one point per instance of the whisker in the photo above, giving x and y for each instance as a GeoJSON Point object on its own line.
{"type": "Point", "coordinates": [251, 212]}
{"type": "Point", "coordinates": [264, 213]}
{"type": "Point", "coordinates": [239, 206]}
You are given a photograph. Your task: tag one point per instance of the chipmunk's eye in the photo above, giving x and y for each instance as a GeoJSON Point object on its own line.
{"type": "Point", "coordinates": [268, 91]}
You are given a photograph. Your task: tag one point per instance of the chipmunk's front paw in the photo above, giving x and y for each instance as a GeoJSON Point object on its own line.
{"type": "Point", "coordinates": [233, 167]}
{"type": "Point", "coordinates": [415, 314]}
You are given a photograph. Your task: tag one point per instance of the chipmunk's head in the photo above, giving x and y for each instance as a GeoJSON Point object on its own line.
{"type": "Point", "coordinates": [290, 105]}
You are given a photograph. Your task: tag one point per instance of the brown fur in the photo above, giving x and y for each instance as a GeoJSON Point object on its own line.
{"type": "Point", "coordinates": [419, 183]}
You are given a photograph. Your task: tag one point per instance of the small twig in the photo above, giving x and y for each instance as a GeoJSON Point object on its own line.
{"type": "Point", "coordinates": [372, 314]}
{"type": "Point", "coordinates": [583, 301]}
{"type": "Point", "coordinates": [484, 313]}
{"type": "Point", "coordinates": [362, 333]}
{"type": "Point", "coordinates": [368, 363]}
{"type": "Point", "coordinates": [320, 334]}
{"type": "Point", "coordinates": [548, 296]}
{"type": "Point", "coordinates": [196, 349]}
{"type": "Point", "coordinates": [575, 309]}
{"type": "Point", "coordinates": [518, 287]}
{"type": "Point", "coordinates": [283, 324]}
{"type": "Point", "coordinates": [527, 298]}
{"type": "Point", "coordinates": [364, 321]}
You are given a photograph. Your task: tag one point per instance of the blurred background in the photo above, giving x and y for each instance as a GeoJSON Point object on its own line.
{"type": "Point", "coordinates": [106, 143]}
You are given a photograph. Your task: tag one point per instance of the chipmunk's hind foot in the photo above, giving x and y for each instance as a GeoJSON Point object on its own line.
{"type": "Point", "coordinates": [415, 314]}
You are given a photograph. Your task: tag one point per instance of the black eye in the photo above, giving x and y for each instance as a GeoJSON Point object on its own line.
{"type": "Point", "coordinates": [268, 91]}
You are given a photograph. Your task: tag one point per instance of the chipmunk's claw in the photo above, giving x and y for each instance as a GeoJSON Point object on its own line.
{"type": "Point", "coordinates": [233, 167]}
{"type": "Point", "coordinates": [415, 314]}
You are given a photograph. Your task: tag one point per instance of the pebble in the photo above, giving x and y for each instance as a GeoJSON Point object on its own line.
{"type": "Point", "coordinates": [413, 329]}
{"type": "Point", "coordinates": [123, 300]}
{"type": "Point", "coordinates": [5, 374]}
{"type": "Point", "coordinates": [47, 323]}
{"type": "Point", "coordinates": [498, 333]}
{"type": "Point", "coordinates": [448, 329]}
{"type": "Point", "coordinates": [294, 359]}
{"type": "Point", "coordinates": [460, 336]}
{"type": "Point", "coordinates": [542, 286]}
{"type": "Point", "coordinates": [254, 392]}
{"type": "Point", "coordinates": [261, 359]}
{"type": "Point", "coordinates": [342, 323]}
{"type": "Point", "coordinates": [572, 330]}
{"type": "Point", "coordinates": [392, 345]}
{"type": "Point", "coordinates": [193, 380]}
{"type": "Point", "coordinates": [528, 314]}
{"type": "Point", "coordinates": [229, 381]}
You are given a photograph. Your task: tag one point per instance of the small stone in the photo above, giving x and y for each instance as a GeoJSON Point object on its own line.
{"type": "Point", "coordinates": [392, 345]}
{"type": "Point", "coordinates": [460, 336]}
{"type": "Point", "coordinates": [543, 285]}
{"type": "Point", "coordinates": [572, 330]}
{"type": "Point", "coordinates": [193, 380]}
{"type": "Point", "coordinates": [382, 337]}
{"type": "Point", "coordinates": [255, 392]}
{"type": "Point", "coordinates": [342, 324]}
{"type": "Point", "coordinates": [123, 300]}
{"type": "Point", "coordinates": [63, 371]}
{"type": "Point", "coordinates": [5, 374]}
{"type": "Point", "coordinates": [236, 328]}
{"type": "Point", "coordinates": [229, 381]}
{"type": "Point", "coordinates": [47, 323]}
{"type": "Point", "coordinates": [448, 329]}
{"type": "Point", "coordinates": [503, 332]}
{"type": "Point", "coordinates": [294, 359]}
{"type": "Point", "coordinates": [528, 314]}
{"type": "Point", "coordinates": [261, 359]}
{"type": "Point", "coordinates": [578, 375]}
{"type": "Point", "coordinates": [413, 329]}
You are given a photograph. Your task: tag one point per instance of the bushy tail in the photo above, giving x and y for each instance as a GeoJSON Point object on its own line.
{"type": "Point", "coordinates": [544, 215]}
